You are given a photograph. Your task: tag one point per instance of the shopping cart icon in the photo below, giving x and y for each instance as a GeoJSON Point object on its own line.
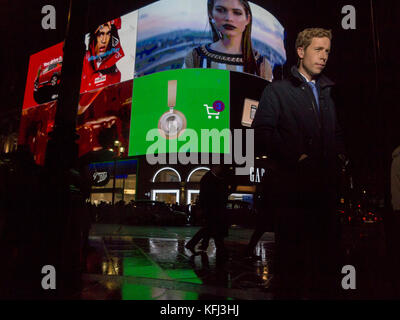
{"type": "Point", "coordinates": [210, 114]}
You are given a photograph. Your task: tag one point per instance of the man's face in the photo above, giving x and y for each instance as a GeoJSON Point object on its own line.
{"type": "Point", "coordinates": [313, 60]}
{"type": "Point", "coordinates": [103, 39]}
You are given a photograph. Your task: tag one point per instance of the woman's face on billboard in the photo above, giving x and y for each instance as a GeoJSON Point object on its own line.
{"type": "Point", "coordinates": [230, 17]}
{"type": "Point", "coordinates": [103, 39]}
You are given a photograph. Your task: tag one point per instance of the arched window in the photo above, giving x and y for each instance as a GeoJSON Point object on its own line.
{"type": "Point", "coordinates": [167, 175]}
{"type": "Point", "coordinates": [197, 174]}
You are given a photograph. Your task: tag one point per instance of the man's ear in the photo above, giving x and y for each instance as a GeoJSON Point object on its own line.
{"type": "Point", "coordinates": [300, 52]}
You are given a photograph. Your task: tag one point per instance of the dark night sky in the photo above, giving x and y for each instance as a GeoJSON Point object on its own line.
{"type": "Point", "coordinates": [366, 88]}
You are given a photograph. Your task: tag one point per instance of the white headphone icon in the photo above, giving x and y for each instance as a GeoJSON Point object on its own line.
{"type": "Point", "coordinates": [173, 122]}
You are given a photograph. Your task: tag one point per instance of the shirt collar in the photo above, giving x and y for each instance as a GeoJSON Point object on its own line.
{"type": "Point", "coordinates": [305, 78]}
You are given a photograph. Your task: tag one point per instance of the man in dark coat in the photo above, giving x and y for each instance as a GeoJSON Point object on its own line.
{"type": "Point", "coordinates": [296, 126]}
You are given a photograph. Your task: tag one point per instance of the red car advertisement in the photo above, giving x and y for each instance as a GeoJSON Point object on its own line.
{"type": "Point", "coordinates": [103, 118]}
{"type": "Point", "coordinates": [48, 74]}
{"type": "Point", "coordinates": [43, 76]}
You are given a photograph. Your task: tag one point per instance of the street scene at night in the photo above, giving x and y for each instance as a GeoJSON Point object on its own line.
{"type": "Point", "coordinates": [199, 150]}
{"type": "Point", "coordinates": [152, 263]}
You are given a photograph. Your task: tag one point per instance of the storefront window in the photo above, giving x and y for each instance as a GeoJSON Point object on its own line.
{"type": "Point", "coordinates": [167, 175]}
{"type": "Point", "coordinates": [167, 196]}
{"type": "Point", "coordinates": [125, 190]}
{"type": "Point", "coordinates": [197, 174]}
{"type": "Point", "coordinates": [192, 196]}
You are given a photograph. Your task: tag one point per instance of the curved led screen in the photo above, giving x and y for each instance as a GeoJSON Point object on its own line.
{"type": "Point", "coordinates": [169, 29]}
{"type": "Point", "coordinates": [172, 109]}
{"type": "Point", "coordinates": [139, 74]}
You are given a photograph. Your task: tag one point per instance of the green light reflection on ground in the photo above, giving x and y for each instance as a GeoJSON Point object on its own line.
{"type": "Point", "coordinates": [186, 275]}
{"type": "Point", "coordinates": [140, 266]}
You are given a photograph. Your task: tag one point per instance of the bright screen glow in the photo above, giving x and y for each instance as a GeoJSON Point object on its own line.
{"type": "Point", "coordinates": [110, 53]}
{"type": "Point", "coordinates": [196, 93]}
{"type": "Point", "coordinates": [169, 29]}
{"type": "Point", "coordinates": [128, 66]}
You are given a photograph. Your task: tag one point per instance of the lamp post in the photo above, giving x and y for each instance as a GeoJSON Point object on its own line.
{"type": "Point", "coordinates": [121, 151]}
{"type": "Point", "coordinates": [63, 233]}
{"type": "Point", "coordinates": [117, 153]}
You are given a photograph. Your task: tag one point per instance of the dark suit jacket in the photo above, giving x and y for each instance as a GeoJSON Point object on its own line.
{"type": "Point", "coordinates": [288, 124]}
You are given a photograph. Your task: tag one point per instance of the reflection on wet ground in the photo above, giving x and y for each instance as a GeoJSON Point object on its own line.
{"type": "Point", "coordinates": [151, 263]}
{"type": "Point", "coordinates": [160, 268]}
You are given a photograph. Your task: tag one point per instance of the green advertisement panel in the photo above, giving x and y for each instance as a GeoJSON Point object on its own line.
{"type": "Point", "coordinates": [178, 109]}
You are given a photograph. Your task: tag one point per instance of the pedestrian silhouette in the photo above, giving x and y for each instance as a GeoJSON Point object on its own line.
{"type": "Point", "coordinates": [213, 197]}
{"type": "Point", "coordinates": [264, 217]}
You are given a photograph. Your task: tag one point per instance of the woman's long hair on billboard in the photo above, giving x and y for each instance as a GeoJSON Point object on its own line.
{"type": "Point", "coordinates": [249, 61]}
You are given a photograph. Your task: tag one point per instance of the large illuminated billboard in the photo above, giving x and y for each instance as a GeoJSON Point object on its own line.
{"type": "Point", "coordinates": [110, 53]}
{"type": "Point", "coordinates": [103, 118]}
{"type": "Point", "coordinates": [109, 59]}
{"type": "Point", "coordinates": [169, 106]}
{"type": "Point", "coordinates": [132, 63]}
{"type": "Point", "coordinates": [35, 126]}
{"type": "Point", "coordinates": [168, 30]}
{"type": "Point", "coordinates": [43, 76]}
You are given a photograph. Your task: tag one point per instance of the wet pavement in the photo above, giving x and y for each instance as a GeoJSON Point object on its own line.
{"type": "Point", "coordinates": [151, 263]}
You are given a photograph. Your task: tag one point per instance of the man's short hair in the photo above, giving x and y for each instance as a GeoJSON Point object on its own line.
{"type": "Point", "coordinates": [304, 38]}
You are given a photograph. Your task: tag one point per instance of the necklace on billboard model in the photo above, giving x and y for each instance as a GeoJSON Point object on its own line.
{"type": "Point", "coordinates": [173, 122]}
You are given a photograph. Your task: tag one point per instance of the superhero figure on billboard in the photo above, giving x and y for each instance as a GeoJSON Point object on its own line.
{"type": "Point", "coordinates": [99, 66]}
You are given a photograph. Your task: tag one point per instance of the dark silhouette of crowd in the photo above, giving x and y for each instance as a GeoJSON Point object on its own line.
{"type": "Point", "coordinates": [142, 212]}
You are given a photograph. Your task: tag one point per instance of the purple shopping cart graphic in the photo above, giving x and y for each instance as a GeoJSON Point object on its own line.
{"type": "Point", "coordinates": [218, 106]}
